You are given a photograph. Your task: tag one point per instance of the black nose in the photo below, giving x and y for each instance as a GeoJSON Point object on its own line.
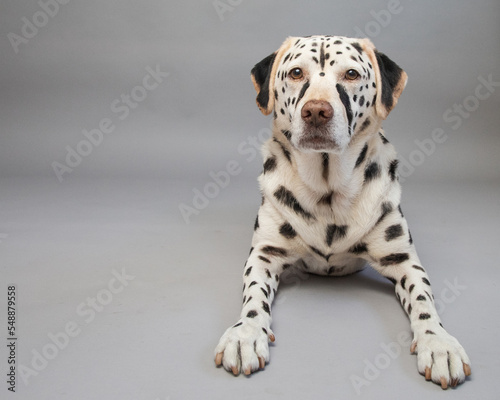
{"type": "Point", "coordinates": [317, 112]}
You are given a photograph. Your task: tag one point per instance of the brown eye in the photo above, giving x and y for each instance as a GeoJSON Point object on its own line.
{"type": "Point", "coordinates": [351, 75]}
{"type": "Point", "coordinates": [296, 73]}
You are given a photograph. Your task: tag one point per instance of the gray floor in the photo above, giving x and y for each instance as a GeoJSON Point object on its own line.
{"type": "Point", "coordinates": [153, 338]}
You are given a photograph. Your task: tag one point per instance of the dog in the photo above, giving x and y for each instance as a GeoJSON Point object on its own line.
{"type": "Point", "coordinates": [331, 196]}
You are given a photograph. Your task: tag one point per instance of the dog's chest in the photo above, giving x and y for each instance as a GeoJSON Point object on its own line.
{"type": "Point", "coordinates": [329, 201]}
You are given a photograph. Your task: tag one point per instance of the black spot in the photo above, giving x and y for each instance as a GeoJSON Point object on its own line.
{"type": "Point", "coordinates": [322, 56]}
{"type": "Point", "coordinates": [287, 134]}
{"type": "Point", "coordinates": [252, 314]}
{"type": "Point", "coordinates": [357, 46]}
{"type": "Point", "coordinates": [335, 232]}
{"type": "Point", "coordinates": [264, 330]}
{"type": "Point", "coordinates": [270, 164]}
{"type": "Point", "coordinates": [283, 148]}
{"type": "Point", "coordinates": [366, 123]}
{"type": "Point", "coordinates": [268, 273]}
{"type": "Point", "coordinates": [393, 232]}
{"type": "Point", "coordinates": [421, 297]}
{"type": "Point", "coordinates": [315, 60]}
{"type": "Point", "coordinates": [256, 225]}
{"type": "Point", "coordinates": [320, 253]}
{"type": "Point", "coordinates": [386, 210]}
{"type": "Point", "coordinates": [264, 291]}
{"type": "Point", "coordinates": [361, 101]}
{"type": "Point", "coordinates": [424, 316]}
{"type": "Point", "coordinates": [384, 139]}
{"type": "Point", "coordinates": [361, 156]}
{"type": "Point", "coordinates": [238, 324]}
{"type": "Point", "coordinates": [303, 91]}
{"type": "Point", "coordinates": [266, 260]}
{"type": "Point", "coordinates": [344, 98]}
{"type": "Point", "coordinates": [251, 284]}
{"type": "Point", "coordinates": [394, 281]}
{"type": "Point", "coordinates": [409, 309]}
{"type": "Point", "coordinates": [394, 258]}
{"type": "Point", "coordinates": [287, 231]}
{"type": "Point", "coordinates": [286, 266]}
{"type": "Point", "coordinates": [248, 300]}
{"type": "Point", "coordinates": [326, 199]}
{"type": "Point", "coordinates": [265, 307]}
{"type": "Point", "coordinates": [392, 169]}
{"type": "Point", "coordinates": [412, 286]}
{"type": "Point", "coordinates": [338, 42]}
{"type": "Point", "coordinates": [359, 248]}
{"type": "Point", "coordinates": [274, 251]}
{"type": "Point", "coordinates": [251, 249]}
{"type": "Point", "coordinates": [288, 199]}
{"type": "Point", "coordinates": [332, 62]}
{"type": "Point", "coordinates": [426, 281]}
{"type": "Point", "coordinates": [403, 282]}
{"type": "Point", "coordinates": [247, 272]}
{"type": "Point", "coordinates": [410, 239]}
{"type": "Point", "coordinates": [428, 332]}
{"type": "Point", "coordinates": [372, 171]}
{"type": "Point", "coordinates": [419, 268]}
{"type": "Point", "coordinates": [326, 160]}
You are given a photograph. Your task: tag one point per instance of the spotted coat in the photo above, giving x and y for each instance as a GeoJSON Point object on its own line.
{"type": "Point", "coordinates": [331, 195]}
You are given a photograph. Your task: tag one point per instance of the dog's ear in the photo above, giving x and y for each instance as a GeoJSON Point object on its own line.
{"type": "Point", "coordinates": [263, 75]}
{"type": "Point", "coordinates": [389, 78]}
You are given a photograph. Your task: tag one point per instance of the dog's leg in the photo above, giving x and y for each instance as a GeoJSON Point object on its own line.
{"type": "Point", "coordinates": [440, 356]}
{"type": "Point", "coordinates": [244, 346]}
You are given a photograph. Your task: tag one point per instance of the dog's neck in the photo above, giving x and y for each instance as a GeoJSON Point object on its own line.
{"type": "Point", "coordinates": [324, 173]}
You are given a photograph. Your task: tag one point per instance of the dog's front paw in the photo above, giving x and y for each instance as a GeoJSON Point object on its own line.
{"type": "Point", "coordinates": [441, 358]}
{"type": "Point", "coordinates": [244, 347]}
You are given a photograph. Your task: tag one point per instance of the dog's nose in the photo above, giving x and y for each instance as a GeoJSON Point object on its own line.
{"type": "Point", "coordinates": [317, 112]}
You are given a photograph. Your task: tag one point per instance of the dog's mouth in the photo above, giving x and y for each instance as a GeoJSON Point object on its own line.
{"type": "Point", "coordinates": [317, 139]}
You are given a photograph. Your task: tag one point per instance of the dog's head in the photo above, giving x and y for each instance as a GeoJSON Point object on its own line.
{"type": "Point", "coordinates": [325, 89]}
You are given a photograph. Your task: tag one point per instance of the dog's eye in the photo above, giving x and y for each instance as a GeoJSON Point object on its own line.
{"type": "Point", "coordinates": [296, 73]}
{"type": "Point", "coordinates": [352, 75]}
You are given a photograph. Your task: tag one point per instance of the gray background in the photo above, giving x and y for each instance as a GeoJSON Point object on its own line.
{"type": "Point", "coordinates": [119, 207]}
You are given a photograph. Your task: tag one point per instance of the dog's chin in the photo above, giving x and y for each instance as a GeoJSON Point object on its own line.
{"type": "Point", "coordinates": [318, 140]}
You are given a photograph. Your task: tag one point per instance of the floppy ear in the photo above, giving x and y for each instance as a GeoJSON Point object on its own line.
{"type": "Point", "coordinates": [263, 75]}
{"type": "Point", "coordinates": [389, 78]}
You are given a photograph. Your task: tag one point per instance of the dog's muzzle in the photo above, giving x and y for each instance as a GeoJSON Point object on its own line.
{"type": "Point", "coordinates": [317, 116]}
